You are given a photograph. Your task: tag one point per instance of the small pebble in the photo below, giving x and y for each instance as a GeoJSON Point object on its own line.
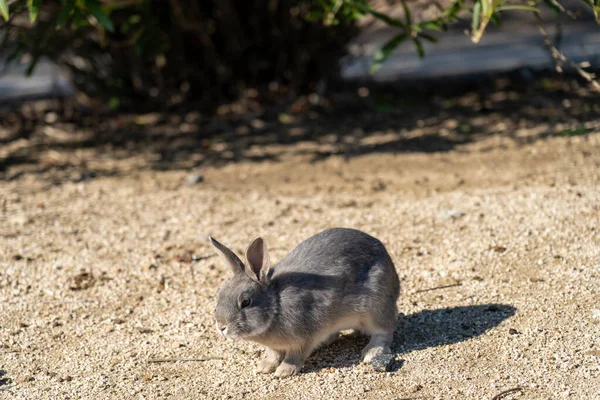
{"type": "Point", "coordinates": [450, 214]}
{"type": "Point", "coordinates": [416, 388]}
{"type": "Point", "coordinates": [51, 117]}
{"type": "Point", "coordinates": [194, 178]}
{"type": "Point", "coordinates": [382, 362]}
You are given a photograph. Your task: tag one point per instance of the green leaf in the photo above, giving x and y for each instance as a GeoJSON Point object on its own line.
{"type": "Point", "coordinates": [356, 14]}
{"type": "Point", "coordinates": [552, 5]}
{"type": "Point", "coordinates": [485, 7]}
{"type": "Point", "coordinates": [476, 15]}
{"type": "Point", "coordinates": [431, 25]}
{"type": "Point", "coordinates": [64, 15]}
{"type": "Point", "coordinates": [387, 19]}
{"type": "Point", "coordinates": [451, 13]}
{"type": "Point", "coordinates": [364, 8]}
{"type": "Point", "coordinates": [419, 46]}
{"type": "Point", "coordinates": [574, 131]}
{"type": "Point", "coordinates": [79, 21]}
{"type": "Point", "coordinates": [32, 65]}
{"type": "Point", "coordinates": [4, 9]}
{"type": "Point", "coordinates": [95, 9]}
{"type": "Point", "coordinates": [135, 19]}
{"type": "Point", "coordinates": [326, 5]}
{"type": "Point", "coordinates": [517, 7]}
{"type": "Point", "coordinates": [314, 15]}
{"type": "Point", "coordinates": [114, 103]}
{"type": "Point", "coordinates": [386, 51]}
{"type": "Point", "coordinates": [407, 15]}
{"type": "Point", "coordinates": [495, 19]}
{"type": "Point", "coordinates": [34, 9]}
{"type": "Point", "coordinates": [427, 37]}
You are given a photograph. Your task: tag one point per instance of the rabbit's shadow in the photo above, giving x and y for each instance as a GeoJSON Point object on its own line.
{"type": "Point", "coordinates": [427, 328]}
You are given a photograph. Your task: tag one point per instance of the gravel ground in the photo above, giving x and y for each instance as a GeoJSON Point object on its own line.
{"type": "Point", "coordinates": [495, 241]}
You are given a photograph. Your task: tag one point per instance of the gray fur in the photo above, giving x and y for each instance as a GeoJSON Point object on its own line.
{"type": "Point", "coordinates": [337, 279]}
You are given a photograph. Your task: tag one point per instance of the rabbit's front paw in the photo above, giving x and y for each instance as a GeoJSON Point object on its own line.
{"type": "Point", "coordinates": [369, 354]}
{"type": "Point", "coordinates": [267, 366]}
{"type": "Point", "coordinates": [285, 370]}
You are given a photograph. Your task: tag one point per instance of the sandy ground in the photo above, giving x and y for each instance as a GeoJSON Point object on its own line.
{"type": "Point", "coordinates": [495, 240]}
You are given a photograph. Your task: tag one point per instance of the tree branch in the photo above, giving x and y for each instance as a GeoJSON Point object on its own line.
{"type": "Point", "coordinates": [562, 60]}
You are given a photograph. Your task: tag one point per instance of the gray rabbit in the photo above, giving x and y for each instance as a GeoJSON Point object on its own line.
{"type": "Point", "coordinates": [335, 280]}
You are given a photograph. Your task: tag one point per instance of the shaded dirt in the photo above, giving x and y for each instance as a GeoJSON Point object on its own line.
{"type": "Point", "coordinates": [491, 217]}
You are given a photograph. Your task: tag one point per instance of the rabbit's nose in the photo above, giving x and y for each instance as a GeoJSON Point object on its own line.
{"type": "Point", "coordinates": [222, 329]}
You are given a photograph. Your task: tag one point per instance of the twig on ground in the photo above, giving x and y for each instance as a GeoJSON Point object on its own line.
{"type": "Point", "coordinates": [163, 360]}
{"type": "Point", "coordinates": [438, 287]}
{"type": "Point", "coordinates": [561, 60]}
{"type": "Point", "coordinates": [507, 392]}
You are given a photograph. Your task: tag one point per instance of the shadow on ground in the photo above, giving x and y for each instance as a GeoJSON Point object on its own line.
{"type": "Point", "coordinates": [4, 381]}
{"type": "Point", "coordinates": [434, 118]}
{"type": "Point", "coordinates": [419, 331]}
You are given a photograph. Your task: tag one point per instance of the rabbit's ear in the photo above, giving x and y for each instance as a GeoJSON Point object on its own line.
{"type": "Point", "coordinates": [257, 259]}
{"type": "Point", "coordinates": [228, 257]}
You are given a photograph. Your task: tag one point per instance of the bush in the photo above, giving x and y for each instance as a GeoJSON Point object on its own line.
{"type": "Point", "coordinates": [163, 53]}
{"type": "Point", "coordinates": [167, 52]}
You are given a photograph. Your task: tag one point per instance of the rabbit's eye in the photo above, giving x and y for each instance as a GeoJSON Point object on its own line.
{"type": "Point", "coordinates": [245, 303]}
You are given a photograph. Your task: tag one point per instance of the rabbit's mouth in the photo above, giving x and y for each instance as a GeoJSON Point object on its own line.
{"type": "Point", "coordinates": [222, 330]}
{"type": "Point", "coordinates": [225, 332]}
